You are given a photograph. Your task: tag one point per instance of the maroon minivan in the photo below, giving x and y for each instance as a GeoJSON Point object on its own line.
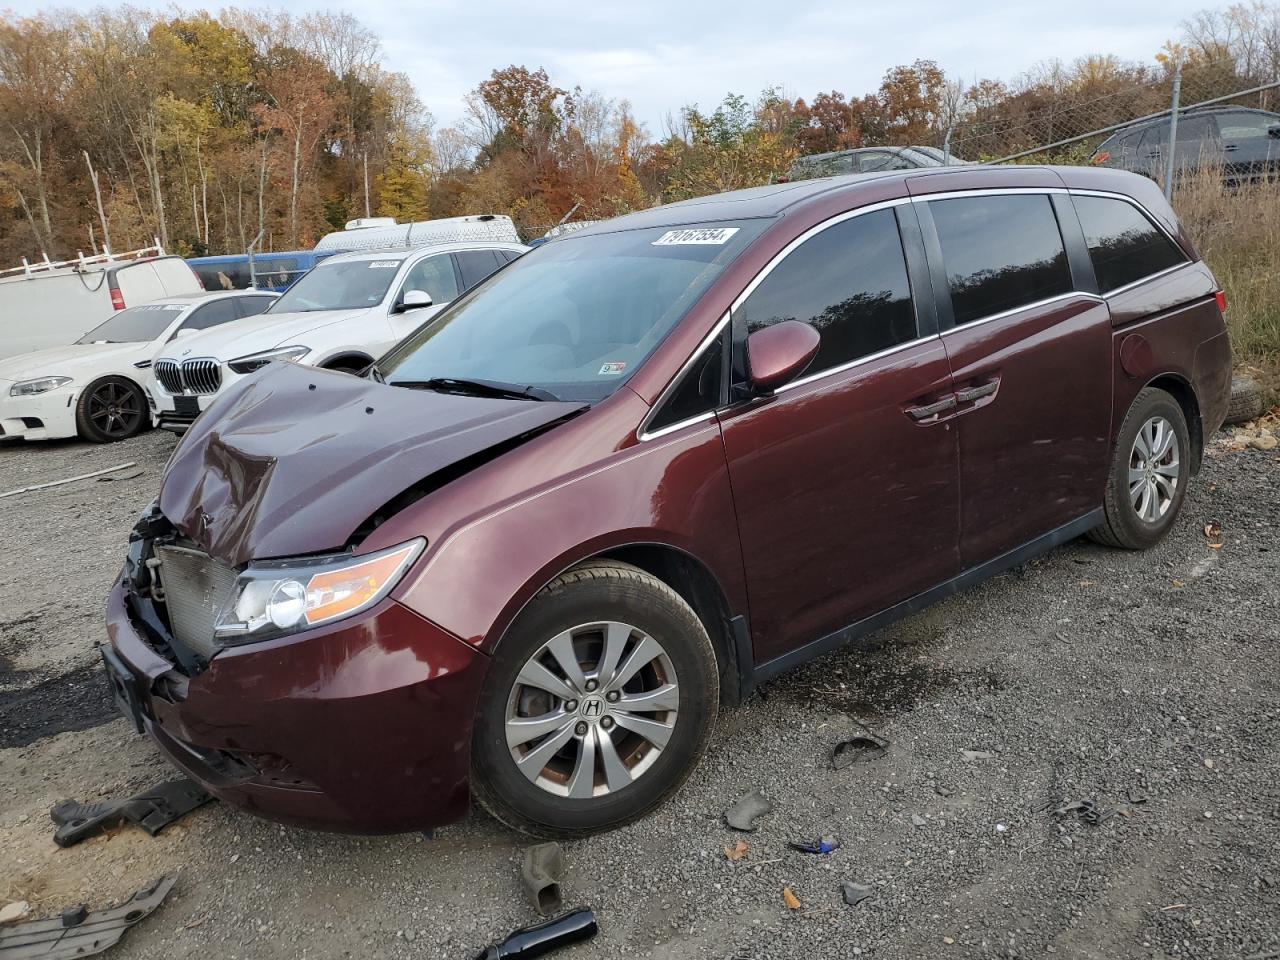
{"type": "Point", "coordinates": [642, 469]}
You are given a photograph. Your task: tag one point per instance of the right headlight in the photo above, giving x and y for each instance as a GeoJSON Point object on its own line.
{"type": "Point", "coordinates": [280, 597]}
{"type": "Point", "coordinates": [254, 361]}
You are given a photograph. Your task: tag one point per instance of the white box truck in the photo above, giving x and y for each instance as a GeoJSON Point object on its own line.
{"type": "Point", "coordinates": [383, 233]}
{"type": "Point", "coordinates": [52, 304]}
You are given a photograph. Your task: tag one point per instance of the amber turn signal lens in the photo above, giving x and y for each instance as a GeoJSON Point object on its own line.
{"type": "Point", "coordinates": [339, 592]}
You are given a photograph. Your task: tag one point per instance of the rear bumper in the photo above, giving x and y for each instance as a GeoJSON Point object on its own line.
{"type": "Point", "coordinates": [363, 727]}
{"type": "Point", "coordinates": [1212, 376]}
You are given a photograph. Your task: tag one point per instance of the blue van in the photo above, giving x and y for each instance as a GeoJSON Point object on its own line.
{"type": "Point", "coordinates": [271, 271]}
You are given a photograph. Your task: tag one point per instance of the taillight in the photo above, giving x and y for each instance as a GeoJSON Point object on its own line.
{"type": "Point", "coordinates": [1102, 157]}
{"type": "Point", "coordinates": [117, 298]}
{"type": "Point", "coordinates": [1221, 297]}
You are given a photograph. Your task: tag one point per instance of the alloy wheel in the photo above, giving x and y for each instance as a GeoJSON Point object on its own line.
{"type": "Point", "coordinates": [592, 710]}
{"type": "Point", "coordinates": [115, 410]}
{"type": "Point", "coordinates": [1154, 469]}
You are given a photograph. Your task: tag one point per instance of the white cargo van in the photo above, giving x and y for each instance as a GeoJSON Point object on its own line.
{"type": "Point", "coordinates": [383, 233]}
{"type": "Point", "coordinates": [54, 304]}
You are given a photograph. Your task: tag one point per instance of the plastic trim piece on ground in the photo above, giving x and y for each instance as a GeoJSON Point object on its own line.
{"type": "Point", "coordinates": [78, 933]}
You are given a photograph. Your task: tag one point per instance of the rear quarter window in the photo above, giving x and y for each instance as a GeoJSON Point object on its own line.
{"type": "Point", "coordinates": [1124, 244]}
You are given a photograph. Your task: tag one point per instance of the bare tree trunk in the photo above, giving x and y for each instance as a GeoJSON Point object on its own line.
{"type": "Point", "coordinates": [97, 193]}
{"type": "Point", "coordinates": [35, 230]}
{"type": "Point", "coordinates": [262, 189]}
{"type": "Point", "coordinates": [293, 195]}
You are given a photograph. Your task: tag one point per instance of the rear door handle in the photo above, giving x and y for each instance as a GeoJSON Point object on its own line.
{"type": "Point", "coordinates": [970, 394]}
{"type": "Point", "coordinates": [925, 411]}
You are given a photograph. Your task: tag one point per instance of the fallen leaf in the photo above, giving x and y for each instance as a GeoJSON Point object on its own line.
{"type": "Point", "coordinates": [1086, 583]}
{"type": "Point", "coordinates": [1179, 584]}
{"type": "Point", "coordinates": [1212, 531]}
{"type": "Point", "coordinates": [1215, 546]}
{"type": "Point", "coordinates": [790, 899]}
{"type": "Point", "coordinates": [736, 852]}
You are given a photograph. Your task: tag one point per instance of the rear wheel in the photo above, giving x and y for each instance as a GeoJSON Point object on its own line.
{"type": "Point", "coordinates": [598, 704]}
{"type": "Point", "coordinates": [111, 409]}
{"type": "Point", "coordinates": [1149, 473]}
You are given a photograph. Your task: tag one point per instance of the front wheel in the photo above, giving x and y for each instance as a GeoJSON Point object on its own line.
{"type": "Point", "coordinates": [111, 409]}
{"type": "Point", "coordinates": [598, 704]}
{"type": "Point", "coordinates": [1149, 473]}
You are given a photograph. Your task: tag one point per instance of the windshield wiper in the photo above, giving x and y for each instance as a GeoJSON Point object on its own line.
{"type": "Point", "coordinates": [479, 388]}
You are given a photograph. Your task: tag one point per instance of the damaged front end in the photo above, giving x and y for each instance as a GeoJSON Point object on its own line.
{"type": "Point", "coordinates": [256, 643]}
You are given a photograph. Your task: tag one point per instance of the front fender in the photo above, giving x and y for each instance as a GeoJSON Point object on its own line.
{"type": "Point", "coordinates": [475, 578]}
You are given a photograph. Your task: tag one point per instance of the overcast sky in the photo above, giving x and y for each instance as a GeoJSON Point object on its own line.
{"type": "Point", "coordinates": [660, 54]}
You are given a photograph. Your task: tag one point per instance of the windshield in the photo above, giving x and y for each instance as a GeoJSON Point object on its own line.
{"type": "Point", "coordinates": [135, 325]}
{"type": "Point", "coordinates": [348, 285]}
{"type": "Point", "coordinates": [574, 317]}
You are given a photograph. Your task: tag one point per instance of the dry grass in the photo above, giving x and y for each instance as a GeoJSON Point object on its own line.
{"type": "Point", "coordinates": [1238, 234]}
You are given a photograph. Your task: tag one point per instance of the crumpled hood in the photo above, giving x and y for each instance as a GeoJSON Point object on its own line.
{"type": "Point", "coordinates": [292, 460]}
{"type": "Point", "coordinates": [66, 361]}
{"type": "Point", "coordinates": [264, 331]}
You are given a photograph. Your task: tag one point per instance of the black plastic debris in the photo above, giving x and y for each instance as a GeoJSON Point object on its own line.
{"type": "Point", "coordinates": [544, 937]}
{"type": "Point", "coordinates": [744, 813]}
{"type": "Point", "coordinates": [821, 845]}
{"type": "Point", "coordinates": [855, 893]}
{"type": "Point", "coordinates": [541, 874]}
{"type": "Point", "coordinates": [857, 750]}
{"type": "Point", "coordinates": [92, 932]}
{"type": "Point", "coordinates": [152, 810]}
{"type": "Point", "coordinates": [1089, 811]}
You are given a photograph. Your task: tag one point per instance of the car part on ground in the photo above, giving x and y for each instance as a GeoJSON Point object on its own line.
{"type": "Point", "coordinates": [80, 933]}
{"type": "Point", "coordinates": [541, 873]}
{"type": "Point", "coordinates": [857, 749]}
{"type": "Point", "coordinates": [57, 483]}
{"type": "Point", "coordinates": [746, 810]}
{"type": "Point", "coordinates": [542, 938]}
{"type": "Point", "coordinates": [152, 810]}
{"type": "Point", "coordinates": [1246, 399]}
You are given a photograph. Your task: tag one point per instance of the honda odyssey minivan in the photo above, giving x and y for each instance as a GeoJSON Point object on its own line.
{"type": "Point", "coordinates": [647, 466]}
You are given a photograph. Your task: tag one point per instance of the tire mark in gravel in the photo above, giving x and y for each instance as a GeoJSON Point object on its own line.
{"type": "Point", "coordinates": [77, 700]}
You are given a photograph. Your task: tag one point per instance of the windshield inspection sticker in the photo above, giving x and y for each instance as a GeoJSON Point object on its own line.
{"type": "Point", "coordinates": [713, 236]}
{"type": "Point", "coordinates": [612, 369]}
{"type": "Point", "coordinates": [383, 264]}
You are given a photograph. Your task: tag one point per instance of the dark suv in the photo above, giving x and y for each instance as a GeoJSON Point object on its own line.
{"type": "Point", "coordinates": [1244, 143]}
{"type": "Point", "coordinates": [646, 467]}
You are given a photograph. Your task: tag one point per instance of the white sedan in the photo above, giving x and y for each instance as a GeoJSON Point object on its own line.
{"type": "Point", "coordinates": [343, 315]}
{"type": "Point", "coordinates": [93, 388]}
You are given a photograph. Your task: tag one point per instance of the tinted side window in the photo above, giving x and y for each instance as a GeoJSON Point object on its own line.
{"type": "Point", "coordinates": [1124, 244]}
{"type": "Point", "coordinates": [434, 275]}
{"type": "Point", "coordinates": [476, 265]}
{"type": "Point", "coordinates": [252, 306]}
{"type": "Point", "coordinates": [212, 314]}
{"type": "Point", "coordinates": [849, 282]}
{"type": "Point", "coordinates": [1000, 253]}
{"type": "Point", "coordinates": [698, 391]}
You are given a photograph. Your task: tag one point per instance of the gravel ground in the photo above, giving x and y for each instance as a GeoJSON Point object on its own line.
{"type": "Point", "coordinates": [1144, 682]}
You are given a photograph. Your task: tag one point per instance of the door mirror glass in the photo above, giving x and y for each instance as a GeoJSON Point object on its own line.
{"type": "Point", "coordinates": [780, 352]}
{"type": "Point", "coordinates": [414, 300]}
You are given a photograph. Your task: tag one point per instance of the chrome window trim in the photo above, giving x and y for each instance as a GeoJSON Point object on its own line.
{"type": "Point", "coordinates": [1147, 279]}
{"type": "Point", "coordinates": [1034, 304]}
{"type": "Point", "coordinates": [845, 367]}
{"type": "Point", "coordinates": [738, 301]}
{"type": "Point", "coordinates": [643, 432]}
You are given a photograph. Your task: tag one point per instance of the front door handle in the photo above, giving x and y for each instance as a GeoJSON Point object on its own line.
{"type": "Point", "coordinates": [925, 411]}
{"type": "Point", "coordinates": [970, 394]}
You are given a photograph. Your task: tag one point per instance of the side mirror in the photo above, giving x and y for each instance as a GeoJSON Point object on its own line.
{"type": "Point", "coordinates": [414, 300]}
{"type": "Point", "coordinates": [183, 332]}
{"type": "Point", "coordinates": [779, 353]}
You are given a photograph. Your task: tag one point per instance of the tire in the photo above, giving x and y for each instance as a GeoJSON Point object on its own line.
{"type": "Point", "coordinates": [1246, 400]}
{"type": "Point", "coordinates": [111, 409]}
{"type": "Point", "coordinates": [570, 607]}
{"type": "Point", "coordinates": [1138, 517]}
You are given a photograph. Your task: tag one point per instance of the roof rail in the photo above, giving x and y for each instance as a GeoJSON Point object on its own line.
{"type": "Point", "coordinates": [81, 262]}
